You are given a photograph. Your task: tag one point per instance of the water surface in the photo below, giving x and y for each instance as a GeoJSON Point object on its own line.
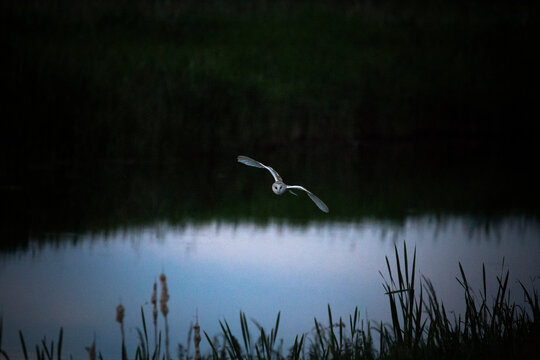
{"type": "Point", "coordinates": [79, 240]}
{"type": "Point", "coordinates": [221, 268]}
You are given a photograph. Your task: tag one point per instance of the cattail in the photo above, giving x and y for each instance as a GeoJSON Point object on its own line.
{"type": "Point", "coordinates": [165, 309]}
{"type": "Point", "coordinates": [197, 337]}
{"type": "Point", "coordinates": [120, 319]}
{"type": "Point", "coordinates": [154, 302]}
{"type": "Point", "coordinates": [120, 314]}
{"type": "Point", "coordinates": [155, 311]}
{"type": "Point", "coordinates": [164, 295]}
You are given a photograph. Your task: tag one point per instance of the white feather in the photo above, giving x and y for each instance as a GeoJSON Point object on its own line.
{"type": "Point", "coordinates": [250, 162]}
{"type": "Point", "coordinates": [320, 204]}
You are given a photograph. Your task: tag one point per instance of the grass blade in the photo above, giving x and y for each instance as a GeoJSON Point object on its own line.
{"type": "Point", "coordinates": [246, 335]}
{"type": "Point", "coordinates": [214, 350]}
{"type": "Point", "coordinates": [21, 337]}
{"type": "Point", "coordinates": [60, 338]}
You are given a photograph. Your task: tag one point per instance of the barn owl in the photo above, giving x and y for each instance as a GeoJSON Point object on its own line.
{"type": "Point", "coordinates": [279, 187]}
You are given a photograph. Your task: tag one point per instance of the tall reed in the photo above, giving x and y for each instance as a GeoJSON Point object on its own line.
{"type": "Point", "coordinates": [197, 337]}
{"type": "Point", "coordinates": [153, 300]}
{"type": "Point", "coordinates": [165, 310]}
{"type": "Point", "coordinates": [43, 349]}
{"type": "Point", "coordinates": [120, 319]}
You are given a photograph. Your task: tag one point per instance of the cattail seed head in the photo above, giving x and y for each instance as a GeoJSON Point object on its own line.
{"type": "Point", "coordinates": [154, 294]}
{"type": "Point", "coordinates": [197, 337]}
{"type": "Point", "coordinates": [164, 295]}
{"type": "Point", "coordinates": [164, 309]}
{"type": "Point", "coordinates": [120, 313]}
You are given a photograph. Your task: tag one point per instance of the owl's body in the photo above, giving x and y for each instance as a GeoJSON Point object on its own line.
{"type": "Point", "coordinates": [279, 187]}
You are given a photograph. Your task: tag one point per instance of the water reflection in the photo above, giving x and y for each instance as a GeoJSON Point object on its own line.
{"type": "Point", "coordinates": [222, 267]}
{"type": "Point", "coordinates": [384, 183]}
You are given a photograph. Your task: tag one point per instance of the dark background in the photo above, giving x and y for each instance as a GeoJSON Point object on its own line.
{"type": "Point", "coordinates": [149, 80]}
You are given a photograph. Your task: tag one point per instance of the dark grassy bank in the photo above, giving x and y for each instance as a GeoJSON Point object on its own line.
{"type": "Point", "coordinates": [480, 181]}
{"type": "Point", "coordinates": [493, 326]}
{"type": "Point", "coordinates": [152, 79]}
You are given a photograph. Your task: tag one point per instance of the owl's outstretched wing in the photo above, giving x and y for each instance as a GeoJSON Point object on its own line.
{"type": "Point", "coordinates": [320, 204]}
{"type": "Point", "coordinates": [250, 162]}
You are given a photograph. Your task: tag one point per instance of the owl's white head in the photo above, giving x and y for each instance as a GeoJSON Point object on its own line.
{"type": "Point", "coordinates": [278, 188]}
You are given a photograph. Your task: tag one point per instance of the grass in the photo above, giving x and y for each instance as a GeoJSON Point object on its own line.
{"type": "Point", "coordinates": [147, 79]}
{"type": "Point", "coordinates": [420, 328]}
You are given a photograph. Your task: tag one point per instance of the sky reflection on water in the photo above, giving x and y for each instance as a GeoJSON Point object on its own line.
{"type": "Point", "coordinates": [220, 268]}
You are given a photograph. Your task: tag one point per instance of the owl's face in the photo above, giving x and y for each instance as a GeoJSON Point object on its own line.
{"type": "Point", "coordinates": [278, 188]}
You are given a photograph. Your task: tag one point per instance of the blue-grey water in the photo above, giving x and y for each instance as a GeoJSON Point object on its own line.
{"type": "Point", "coordinates": [220, 268]}
{"type": "Point", "coordinates": [79, 240]}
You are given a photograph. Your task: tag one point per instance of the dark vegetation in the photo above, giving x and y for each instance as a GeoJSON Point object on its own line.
{"type": "Point", "coordinates": [480, 182]}
{"type": "Point", "coordinates": [148, 79]}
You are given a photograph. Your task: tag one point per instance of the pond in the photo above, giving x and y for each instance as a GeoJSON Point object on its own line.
{"type": "Point", "coordinates": [81, 239]}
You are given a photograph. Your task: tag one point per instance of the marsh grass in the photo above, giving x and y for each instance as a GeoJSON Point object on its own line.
{"type": "Point", "coordinates": [43, 350]}
{"type": "Point", "coordinates": [420, 326]}
{"type": "Point", "coordinates": [492, 327]}
{"type": "Point", "coordinates": [263, 348]}
{"type": "Point", "coordinates": [144, 350]}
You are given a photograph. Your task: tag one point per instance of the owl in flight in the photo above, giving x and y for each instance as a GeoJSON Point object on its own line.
{"type": "Point", "coordinates": [279, 187]}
